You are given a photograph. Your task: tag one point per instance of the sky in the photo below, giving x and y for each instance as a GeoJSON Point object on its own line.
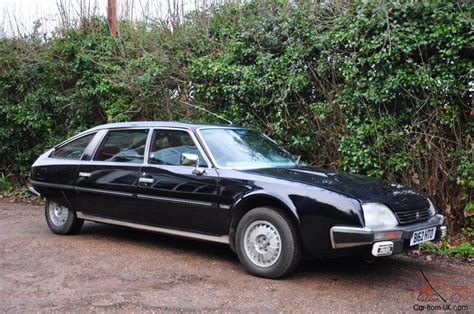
{"type": "Point", "coordinates": [17, 16]}
{"type": "Point", "coordinates": [20, 14]}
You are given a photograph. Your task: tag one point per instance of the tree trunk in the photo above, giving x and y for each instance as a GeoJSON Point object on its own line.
{"type": "Point", "coordinates": [112, 17]}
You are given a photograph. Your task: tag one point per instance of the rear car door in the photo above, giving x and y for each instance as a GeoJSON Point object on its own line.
{"type": "Point", "coordinates": [169, 194]}
{"type": "Point", "coordinates": [56, 174]}
{"type": "Point", "coordinates": [106, 185]}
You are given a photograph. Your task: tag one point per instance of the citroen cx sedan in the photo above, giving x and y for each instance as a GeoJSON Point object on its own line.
{"type": "Point", "coordinates": [229, 185]}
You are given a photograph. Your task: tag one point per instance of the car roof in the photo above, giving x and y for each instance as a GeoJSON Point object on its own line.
{"type": "Point", "coordinates": [148, 124]}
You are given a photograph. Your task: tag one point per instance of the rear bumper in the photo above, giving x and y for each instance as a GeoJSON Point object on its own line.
{"type": "Point", "coordinates": [347, 237]}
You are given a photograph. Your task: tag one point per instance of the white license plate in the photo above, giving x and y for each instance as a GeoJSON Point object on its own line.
{"type": "Point", "coordinates": [423, 236]}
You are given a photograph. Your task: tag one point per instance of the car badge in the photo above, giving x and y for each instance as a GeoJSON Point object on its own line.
{"type": "Point", "coordinates": [417, 215]}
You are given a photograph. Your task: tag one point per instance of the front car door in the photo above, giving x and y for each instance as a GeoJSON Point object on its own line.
{"type": "Point", "coordinates": [170, 195]}
{"type": "Point", "coordinates": [106, 185]}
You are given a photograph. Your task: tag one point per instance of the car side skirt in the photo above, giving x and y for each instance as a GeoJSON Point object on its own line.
{"type": "Point", "coordinates": [185, 234]}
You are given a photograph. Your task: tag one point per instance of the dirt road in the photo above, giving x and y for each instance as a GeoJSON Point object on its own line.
{"type": "Point", "coordinates": [107, 268]}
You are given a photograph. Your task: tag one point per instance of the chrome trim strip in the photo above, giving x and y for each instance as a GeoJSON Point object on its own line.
{"type": "Point", "coordinates": [111, 163]}
{"type": "Point", "coordinates": [349, 230]}
{"type": "Point", "coordinates": [219, 239]}
{"type": "Point", "coordinates": [174, 200]}
{"type": "Point", "coordinates": [100, 191]}
{"type": "Point", "coordinates": [53, 185]}
{"type": "Point", "coordinates": [146, 153]}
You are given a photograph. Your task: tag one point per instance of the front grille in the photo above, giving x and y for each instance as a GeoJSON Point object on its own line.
{"type": "Point", "coordinates": [411, 216]}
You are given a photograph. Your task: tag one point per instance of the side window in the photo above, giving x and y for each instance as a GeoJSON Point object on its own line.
{"type": "Point", "coordinates": [168, 145]}
{"type": "Point", "coordinates": [123, 146]}
{"type": "Point", "coordinates": [74, 149]}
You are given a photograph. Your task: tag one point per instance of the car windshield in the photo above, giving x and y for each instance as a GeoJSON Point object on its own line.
{"type": "Point", "coordinates": [244, 148]}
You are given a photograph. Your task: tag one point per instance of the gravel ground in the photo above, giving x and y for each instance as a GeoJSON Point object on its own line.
{"type": "Point", "coordinates": [108, 268]}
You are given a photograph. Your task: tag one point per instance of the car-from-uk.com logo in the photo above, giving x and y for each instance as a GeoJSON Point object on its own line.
{"type": "Point", "coordinates": [438, 295]}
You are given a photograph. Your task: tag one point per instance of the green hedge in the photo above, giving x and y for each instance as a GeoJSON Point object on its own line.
{"type": "Point", "coordinates": [378, 88]}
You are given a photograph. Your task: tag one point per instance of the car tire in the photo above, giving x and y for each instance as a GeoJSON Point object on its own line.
{"type": "Point", "coordinates": [60, 219]}
{"type": "Point", "coordinates": [267, 243]}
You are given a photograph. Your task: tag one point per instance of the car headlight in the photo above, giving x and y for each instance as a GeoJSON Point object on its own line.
{"type": "Point", "coordinates": [432, 209]}
{"type": "Point", "coordinates": [376, 214]}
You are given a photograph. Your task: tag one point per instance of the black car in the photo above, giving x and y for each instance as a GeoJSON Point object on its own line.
{"type": "Point", "coordinates": [229, 185]}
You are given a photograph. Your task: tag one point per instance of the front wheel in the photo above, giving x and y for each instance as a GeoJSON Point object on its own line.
{"type": "Point", "coordinates": [267, 243]}
{"type": "Point", "coordinates": [60, 219]}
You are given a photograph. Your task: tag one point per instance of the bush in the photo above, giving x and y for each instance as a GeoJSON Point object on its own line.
{"type": "Point", "coordinates": [462, 250]}
{"type": "Point", "coordinates": [368, 87]}
{"type": "Point", "coordinates": [5, 186]}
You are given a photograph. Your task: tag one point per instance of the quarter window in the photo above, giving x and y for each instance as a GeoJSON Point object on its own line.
{"type": "Point", "coordinates": [168, 145]}
{"type": "Point", "coordinates": [123, 146]}
{"type": "Point", "coordinates": [74, 149]}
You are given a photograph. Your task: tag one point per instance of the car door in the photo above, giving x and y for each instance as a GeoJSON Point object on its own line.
{"type": "Point", "coordinates": [170, 195]}
{"type": "Point", "coordinates": [106, 185]}
{"type": "Point", "coordinates": [56, 174]}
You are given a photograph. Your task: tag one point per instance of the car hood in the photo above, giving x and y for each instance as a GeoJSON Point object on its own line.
{"type": "Point", "coordinates": [365, 189]}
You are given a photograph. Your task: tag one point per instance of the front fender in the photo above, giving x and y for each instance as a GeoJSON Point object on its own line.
{"type": "Point", "coordinates": [312, 209]}
{"type": "Point", "coordinates": [282, 200]}
{"type": "Point", "coordinates": [255, 199]}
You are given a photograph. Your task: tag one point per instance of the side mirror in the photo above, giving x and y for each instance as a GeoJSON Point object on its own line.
{"type": "Point", "coordinates": [191, 160]}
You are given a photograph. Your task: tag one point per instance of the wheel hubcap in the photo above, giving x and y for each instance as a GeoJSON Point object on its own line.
{"type": "Point", "coordinates": [58, 214]}
{"type": "Point", "coordinates": [262, 243]}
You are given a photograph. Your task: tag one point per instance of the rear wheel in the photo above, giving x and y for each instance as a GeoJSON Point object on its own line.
{"type": "Point", "coordinates": [267, 243]}
{"type": "Point", "coordinates": [60, 219]}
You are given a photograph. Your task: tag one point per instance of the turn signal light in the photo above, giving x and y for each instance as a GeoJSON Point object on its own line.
{"type": "Point", "coordinates": [387, 235]}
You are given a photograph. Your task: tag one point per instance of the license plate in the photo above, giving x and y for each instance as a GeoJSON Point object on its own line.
{"type": "Point", "coordinates": [423, 236]}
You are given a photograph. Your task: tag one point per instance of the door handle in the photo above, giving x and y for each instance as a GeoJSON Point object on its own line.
{"type": "Point", "coordinates": [85, 174]}
{"type": "Point", "coordinates": [146, 180]}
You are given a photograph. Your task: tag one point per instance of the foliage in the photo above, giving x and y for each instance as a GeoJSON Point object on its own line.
{"type": "Point", "coordinates": [429, 247]}
{"type": "Point", "coordinates": [5, 186]}
{"type": "Point", "coordinates": [377, 88]}
{"type": "Point", "coordinates": [463, 249]}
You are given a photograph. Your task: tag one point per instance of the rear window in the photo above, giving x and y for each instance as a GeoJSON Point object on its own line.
{"type": "Point", "coordinates": [123, 146]}
{"type": "Point", "coordinates": [74, 149]}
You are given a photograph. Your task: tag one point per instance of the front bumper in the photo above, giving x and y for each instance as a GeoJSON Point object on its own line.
{"type": "Point", "coordinates": [347, 237]}
{"type": "Point", "coordinates": [33, 192]}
